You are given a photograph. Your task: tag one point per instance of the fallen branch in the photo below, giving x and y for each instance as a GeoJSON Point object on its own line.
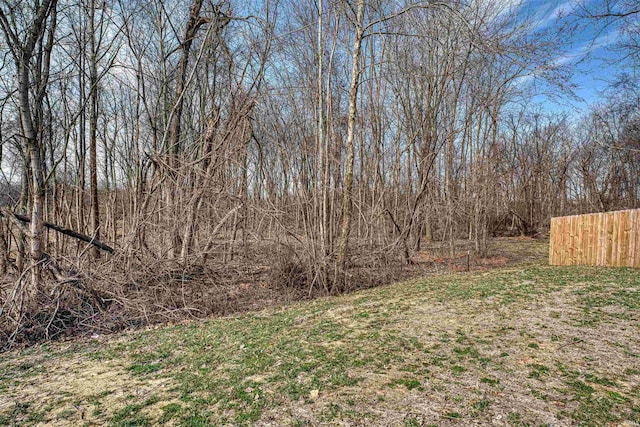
{"type": "Point", "coordinates": [67, 232]}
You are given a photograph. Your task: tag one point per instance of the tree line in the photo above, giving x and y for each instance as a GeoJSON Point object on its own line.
{"type": "Point", "coordinates": [192, 131]}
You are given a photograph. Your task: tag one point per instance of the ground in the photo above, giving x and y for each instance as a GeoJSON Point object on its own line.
{"type": "Point", "coordinates": [518, 345]}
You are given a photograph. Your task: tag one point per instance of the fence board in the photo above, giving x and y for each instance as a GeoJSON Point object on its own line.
{"type": "Point", "coordinates": [609, 239]}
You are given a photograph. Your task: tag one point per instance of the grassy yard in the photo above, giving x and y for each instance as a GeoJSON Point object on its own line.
{"type": "Point", "coordinates": [529, 345]}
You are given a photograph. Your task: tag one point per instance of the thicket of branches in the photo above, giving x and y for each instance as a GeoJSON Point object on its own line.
{"type": "Point", "coordinates": [147, 143]}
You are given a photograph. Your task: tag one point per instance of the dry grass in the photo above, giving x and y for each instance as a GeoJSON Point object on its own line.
{"type": "Point", "coordinates": [527, 345]}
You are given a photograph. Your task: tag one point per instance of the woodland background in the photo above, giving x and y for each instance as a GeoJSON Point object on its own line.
{"type": "Point", "coordinates": [163, 159]}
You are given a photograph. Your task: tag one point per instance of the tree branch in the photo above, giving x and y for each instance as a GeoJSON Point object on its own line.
{"type": "Point", "coordinates": [67, 232]}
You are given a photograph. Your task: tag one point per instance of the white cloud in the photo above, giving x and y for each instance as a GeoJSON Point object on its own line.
{"type": "Point", "coordinates": [577, 54]}
{"type": "Point", "coordinates": [507, 6]}
{"type": "Point", "coordinates": [588, 47]}
{"type": "Point", "coordinates": [549, 16]}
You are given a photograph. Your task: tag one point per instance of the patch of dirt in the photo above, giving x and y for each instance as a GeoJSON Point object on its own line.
{"type": "Point", "coordinates": [79, 390]}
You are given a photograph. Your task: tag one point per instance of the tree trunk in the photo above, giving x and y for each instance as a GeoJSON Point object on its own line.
{"type": "Point", "coordinates": [37, 178]}
{"type": "Point", "coordinates": [4, 248]}
{"type": "Point", "coordinates": [347, 197]}
{"type": "Point", "coordinates": [173, 146]}
{"type": "Point", "coordinates": [93, 126]}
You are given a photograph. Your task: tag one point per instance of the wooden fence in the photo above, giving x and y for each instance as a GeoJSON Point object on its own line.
{"type": "Point", "coordinates": [610, 239]}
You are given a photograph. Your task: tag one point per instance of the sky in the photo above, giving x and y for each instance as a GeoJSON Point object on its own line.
{"type": "Point", "coordinates": [589, 49]}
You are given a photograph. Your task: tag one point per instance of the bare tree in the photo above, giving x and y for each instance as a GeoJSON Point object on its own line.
{"type": "Point", "coordinates": [31, 46]}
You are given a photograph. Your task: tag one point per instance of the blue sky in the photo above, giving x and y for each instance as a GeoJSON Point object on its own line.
{"type": "Point", "coordinates": [589, 49]}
